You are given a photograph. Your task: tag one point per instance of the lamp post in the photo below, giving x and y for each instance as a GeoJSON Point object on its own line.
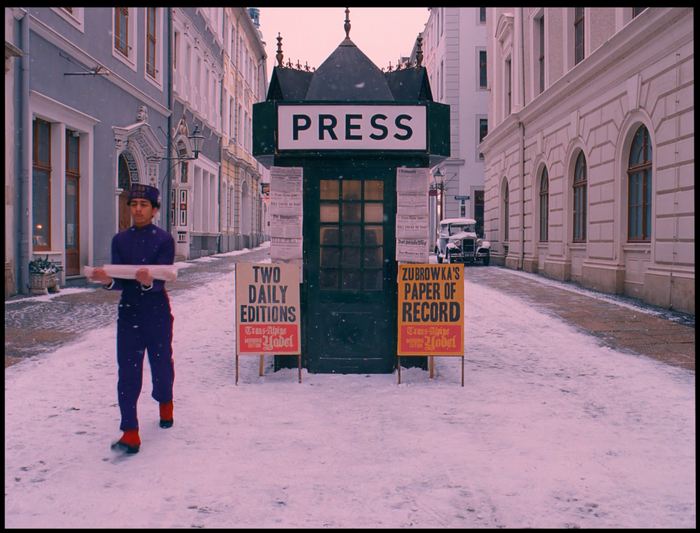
{"type": "Point", "coordinates": [439, 178]}
{"type": "Point", "coordinates": [196, 143]}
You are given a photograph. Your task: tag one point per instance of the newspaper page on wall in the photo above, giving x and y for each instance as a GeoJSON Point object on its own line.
{"type": "Point", "coordinates": [286, 215]}
{"type": "Point", "coordinates": [412, 215]}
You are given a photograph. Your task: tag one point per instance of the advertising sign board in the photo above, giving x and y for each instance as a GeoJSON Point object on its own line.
{"type": "Point", "coordinates": [431, 315]}
{"type": "Point", "coordinates": [267, 309]}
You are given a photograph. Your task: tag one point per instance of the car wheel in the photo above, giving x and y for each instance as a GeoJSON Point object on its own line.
{"type": "Point", "coordinates": [439, 257]}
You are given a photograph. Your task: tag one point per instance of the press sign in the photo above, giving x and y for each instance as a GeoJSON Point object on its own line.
{"type": "Point", "coordinates": [351, 127]}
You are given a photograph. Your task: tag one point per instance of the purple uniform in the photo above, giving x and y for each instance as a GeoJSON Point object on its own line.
{"type": "Point", "coordinates": [145, 322]}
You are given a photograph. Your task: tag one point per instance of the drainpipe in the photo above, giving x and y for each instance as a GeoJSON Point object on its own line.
{"type": "Point", "coordinates": [522, 141]}
{"type": "Point", "coordinates": [26, 164]}
{"type": "Point", "coordinates": [169, 178]}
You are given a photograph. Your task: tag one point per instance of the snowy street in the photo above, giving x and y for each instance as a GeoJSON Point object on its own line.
{"type": "Point", "coordinates": [551, 430]}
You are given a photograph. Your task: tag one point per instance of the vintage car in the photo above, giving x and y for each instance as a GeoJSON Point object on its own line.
{"type": "Point", "coordinates": [457, 242]}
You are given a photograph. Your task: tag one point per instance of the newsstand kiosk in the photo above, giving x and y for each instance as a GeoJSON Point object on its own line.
{"type": "Point", "coordinates": [349, 126]}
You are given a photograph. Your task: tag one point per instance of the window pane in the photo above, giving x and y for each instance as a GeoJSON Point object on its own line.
{"type": "Point", "coordinates": [374, 235]}
{"type": "Point", "coordinates": [373, 257]}
{"type": "Point", "coordinates": [40, 208]}
{"type": "Point", "coordinates": [152, 21]}
{"type": "Point", "coordinates": [73, 163]}
{"type": "Point", "coordinates": [374, 190]}
{"type": "Point", "coordinates": [71, 214]}
{"type": "Point", "coordinates": [329, 235]}
{"type": "Point", "coordinates": [351, 280]}
{"type": "Point", "coordinates": [636, 152]}
{"type": "Point", "coordinates": [351, 235]}
{"type": "Point", "coordinates": [351, 212]}
{"type": "Point", "coordinates": [328, 279]}
{"type": "Point", "coordinates": [374, 212]}
{"type": "Point", "coordinates": [43, 142]}
{"type": "Point", "coordinates": [329, 212]}
{"type": "Point", "coordinates": [373, 280]}
{"type": "Point", "coordinates": [329, 190]}
{"type": "Point", "coordinates": [482, 69]}
{"type": "Point", "coordinates": [351, 257]}
{"type": "Point", "coordinates": [352, 190]}
{"type": "Point", "coordinates": [329, 256]}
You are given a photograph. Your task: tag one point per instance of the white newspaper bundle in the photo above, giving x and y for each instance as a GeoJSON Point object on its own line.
{"type": "Point", "coordinates": [162, 272]}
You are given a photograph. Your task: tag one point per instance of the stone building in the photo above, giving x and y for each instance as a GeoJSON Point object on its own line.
{"type": "Point", "coordinates": [454, 45]}
{"type": "Point", "coordinates": [242, 207]}
{"type": "Point", "coordinates": [88, 117]}
{"type": "Point", "coordinates": [589, 158]}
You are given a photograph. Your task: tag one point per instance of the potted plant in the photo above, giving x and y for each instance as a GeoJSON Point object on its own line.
{"type": "Point", "coordinates": [43, 275]}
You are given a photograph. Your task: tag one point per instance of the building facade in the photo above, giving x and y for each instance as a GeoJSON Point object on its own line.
{"type": "Point", "coordinates": [99, 99]}
{"type": "Point", "coordinates": [243, 210]}
{"type": "Point", "coordinates": [88, 119]}
{"type": "Point", "coordinates": [589, 158]}
{"type": "Point", "coordinates": [454, 45]}
{"type": "Point", "coordinates": [198, 71]}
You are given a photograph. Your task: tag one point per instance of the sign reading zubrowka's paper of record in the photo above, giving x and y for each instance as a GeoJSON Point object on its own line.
{"type": "Point", "coordinates": [267, 309]}
{"type": "Point", "coordinates": [431, 314]}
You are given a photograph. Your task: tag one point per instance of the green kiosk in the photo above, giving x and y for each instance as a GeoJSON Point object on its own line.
{"type": "Point", "coordinates": [349, 127]}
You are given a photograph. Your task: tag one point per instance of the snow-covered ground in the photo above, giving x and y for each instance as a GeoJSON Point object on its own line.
{"type": "Point", "coordinates": [551, 430]}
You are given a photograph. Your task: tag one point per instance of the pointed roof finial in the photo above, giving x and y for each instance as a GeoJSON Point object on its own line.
{"type": "Point", "coordinates": [279, 55]}
{"type": "Point", "coordinates": [347, 22]}
{"type": "Point", "coordinates": [419, 51]}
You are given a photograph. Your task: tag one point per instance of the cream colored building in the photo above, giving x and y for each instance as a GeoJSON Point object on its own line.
{"type": "Point", "coordinates": [242, 209]}
{"type": "Point", "coordinates": [589, 160]}
{"type": "Point", "coordinates": [454, 46]}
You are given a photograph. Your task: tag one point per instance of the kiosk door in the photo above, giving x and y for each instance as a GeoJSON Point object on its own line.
{"type": "Point", "coordinates": [351, 317]}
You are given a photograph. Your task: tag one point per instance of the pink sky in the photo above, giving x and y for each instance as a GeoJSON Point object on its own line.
{"type": "Point", "coordinates": [312, 34]}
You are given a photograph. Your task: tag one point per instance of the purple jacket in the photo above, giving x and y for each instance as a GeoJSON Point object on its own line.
{"type": "Point", "coordinates": [149, 245]}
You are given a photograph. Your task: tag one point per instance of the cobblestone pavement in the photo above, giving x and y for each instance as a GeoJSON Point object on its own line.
{"type": "Point", "coordinates": [617, 321]}
{"type": "Point", "coordinates": [34, 326]}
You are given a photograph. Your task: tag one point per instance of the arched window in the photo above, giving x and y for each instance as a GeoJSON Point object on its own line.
{"type": "Point", "coordinates": [544, 206]}
{"type": "Point", "coordinates": [580, 185]}
{"type": "Point", "coordinates": [506, 215]}
{"type": "Point", "coordinates": [639, 173]}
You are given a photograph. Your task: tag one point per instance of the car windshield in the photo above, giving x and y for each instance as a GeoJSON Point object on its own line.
{"type": "Point", "coordinates": [459, 228]}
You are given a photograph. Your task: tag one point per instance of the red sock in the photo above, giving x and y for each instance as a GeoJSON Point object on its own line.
{"type": "Point", "coordinates": [131, 437]}
{"type": "Point", "coordinates": [166, 410]}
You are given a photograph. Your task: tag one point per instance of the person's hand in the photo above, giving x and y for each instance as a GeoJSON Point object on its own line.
{"type": "Point", "coordinates": [143, 277]}
{"type": "Point", "coordinates": [100, 276]}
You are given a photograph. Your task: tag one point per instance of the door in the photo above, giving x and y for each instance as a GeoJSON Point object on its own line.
{"type": "Point", "coordinates": [72, 236]}
{"type": "Point", "coordinates": [72, 227]}
{"type": "Point", "coordinates": [124, 185]}
{"type": "Point", "coordinates": [351, 278]}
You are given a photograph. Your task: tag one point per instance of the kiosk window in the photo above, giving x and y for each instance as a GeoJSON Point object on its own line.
{"type": "Point", "coordinates": [351, 235]}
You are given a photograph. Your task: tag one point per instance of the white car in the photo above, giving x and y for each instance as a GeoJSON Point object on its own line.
{"type": "Point", "coordinates": [457, 242]}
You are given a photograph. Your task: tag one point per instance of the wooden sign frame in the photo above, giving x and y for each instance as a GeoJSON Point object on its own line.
{"type": "Point", "coordinates": [430, 313]}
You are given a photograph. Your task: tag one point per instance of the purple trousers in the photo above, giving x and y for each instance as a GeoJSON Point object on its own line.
{"type": "Point", "coordinates": [144, 327]}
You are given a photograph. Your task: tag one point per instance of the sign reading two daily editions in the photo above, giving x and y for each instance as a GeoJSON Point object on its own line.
{"type": "Point", "coordinates": [351, 127]}
{"type": "Point", "coordinates": [267, 308]}
{"type": "Point", "coordinates": [431, 314]}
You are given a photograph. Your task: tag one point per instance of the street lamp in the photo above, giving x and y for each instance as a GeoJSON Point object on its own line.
{"type": "Point", "coordinates": [196, 142]}
{"type": "Point", "coordinates": [439, 178]}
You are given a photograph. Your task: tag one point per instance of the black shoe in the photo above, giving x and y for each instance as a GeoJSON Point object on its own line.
{"type": "Point", "coordinates": [166, 423]}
